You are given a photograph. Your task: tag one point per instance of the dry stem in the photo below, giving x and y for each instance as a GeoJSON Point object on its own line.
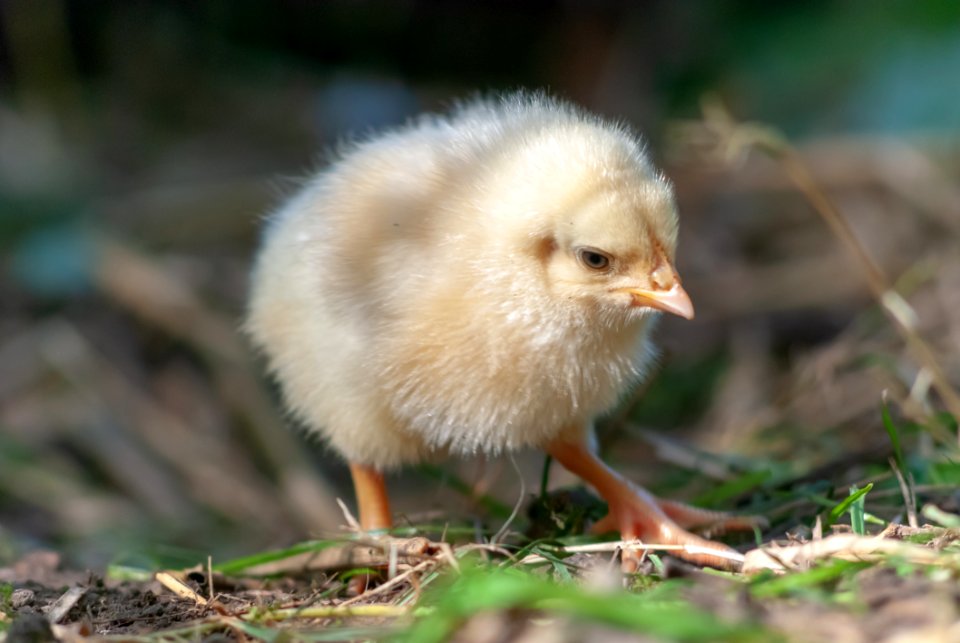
{"type": "Point", "coordinates": [738, 138]}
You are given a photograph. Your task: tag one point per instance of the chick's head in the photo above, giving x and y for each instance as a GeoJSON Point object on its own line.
{"type": "Point", "coordinates": [600, 222]}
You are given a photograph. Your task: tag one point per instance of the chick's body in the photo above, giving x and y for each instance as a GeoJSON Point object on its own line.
{"type": "Point", "coordinates": [405, 300]}
{"type": "Point", "coordinates": [476, 283]}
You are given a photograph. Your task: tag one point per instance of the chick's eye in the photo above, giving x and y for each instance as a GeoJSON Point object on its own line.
{"type": "Point", "coordinates": [593, 259]}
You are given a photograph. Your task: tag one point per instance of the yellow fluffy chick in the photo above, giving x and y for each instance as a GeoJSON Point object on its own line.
{"type": "Point", "coordinates": [477, 283]}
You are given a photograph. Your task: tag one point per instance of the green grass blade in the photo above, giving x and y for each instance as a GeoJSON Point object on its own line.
{"type": "Point", "coordinates": [857, 512]}
{"type": "Point", "coordinates": [238, 565]}
{"type": "Point", "coordinates": [654, 613]}
{"type": "Point", "coordinates": [894, 434]}
{"type": "Point", "coordinates": [846, 503]}
{"type": "Point", "coordinates": [733, 488]}
{"type": "Point", "coordinates": [773, 586]}
{"type": "Point", "coordinates": [545, 475]}
{"type": "Point", "coordinates": [941, 517]}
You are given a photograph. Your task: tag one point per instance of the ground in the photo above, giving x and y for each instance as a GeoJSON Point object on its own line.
{"type": "Point", "coordinates": [841, 587]}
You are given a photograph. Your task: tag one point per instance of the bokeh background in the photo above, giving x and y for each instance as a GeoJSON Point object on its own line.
{"type": "Point", "coordinates": [142, 143]}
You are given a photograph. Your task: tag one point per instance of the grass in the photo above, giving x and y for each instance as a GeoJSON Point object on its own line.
{"type": "Point", "coordinates": [573, 584]}
{"type": "Point", "coordinates": [660, 611]}
{"type": "Point", "coordinates": [574, 593]}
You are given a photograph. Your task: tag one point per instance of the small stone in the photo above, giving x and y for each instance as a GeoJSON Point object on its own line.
{"type": "Point", "coordinates": [21, 597]}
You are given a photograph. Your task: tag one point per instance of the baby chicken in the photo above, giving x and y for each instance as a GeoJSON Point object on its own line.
{"type": "Point", "coordinates": [477, 283]}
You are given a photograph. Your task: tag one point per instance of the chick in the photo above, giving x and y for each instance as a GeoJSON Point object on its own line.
{"type": "Point", "coordinates": [477, 283]}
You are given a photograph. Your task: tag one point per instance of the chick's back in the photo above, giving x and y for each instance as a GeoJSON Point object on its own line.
{"type": "Point", "coordinates": [396, 302]}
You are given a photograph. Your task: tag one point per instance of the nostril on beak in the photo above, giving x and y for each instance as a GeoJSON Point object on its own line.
{"type": "Point", "coordinates": [663, 278]}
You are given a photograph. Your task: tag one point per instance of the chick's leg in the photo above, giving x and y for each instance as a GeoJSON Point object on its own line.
{"type": "Point", "coordinates": [639, 515]}
{"type": "Point", "coordinates": [374, 507]}
{"type": "Point", "coordinates": [372, 500]}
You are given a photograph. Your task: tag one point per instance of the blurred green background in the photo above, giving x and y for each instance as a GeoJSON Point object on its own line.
{"type": "Point", "coordinates": [143, 142]}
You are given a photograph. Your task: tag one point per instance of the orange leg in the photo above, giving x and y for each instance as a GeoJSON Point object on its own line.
{"type": "Point", "coordinates": [372, 498]}
{"type": "Point", "coordinates": [374, 506]}
{"type": "Point", "coordinates": [636, 514]}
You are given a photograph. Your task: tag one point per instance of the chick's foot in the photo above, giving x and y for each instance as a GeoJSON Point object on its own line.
{"type": "Point", "coordinates": [638, 515]}
{"type": "Point", "coordinates": [637, 518]}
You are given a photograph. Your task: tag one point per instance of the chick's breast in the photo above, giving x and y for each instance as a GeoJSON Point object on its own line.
{"type": "Point", "coordinates": [401, 300]}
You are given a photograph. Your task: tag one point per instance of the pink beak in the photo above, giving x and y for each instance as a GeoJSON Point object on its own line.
{"type": "Point", "coordinates": [675, 300]}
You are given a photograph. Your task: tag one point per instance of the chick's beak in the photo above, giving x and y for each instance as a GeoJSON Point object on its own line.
{"type": "Point", "coordinates": [674, 300]}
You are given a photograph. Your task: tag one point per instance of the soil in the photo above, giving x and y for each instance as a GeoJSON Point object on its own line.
{"type": "Point", "coordinates": [129, 608]}
{"type": "Point", "coordinates": [122, 607]}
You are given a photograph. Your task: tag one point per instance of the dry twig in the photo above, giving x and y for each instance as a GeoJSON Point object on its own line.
{"type": "Point", "coordinates": [179, 588]}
